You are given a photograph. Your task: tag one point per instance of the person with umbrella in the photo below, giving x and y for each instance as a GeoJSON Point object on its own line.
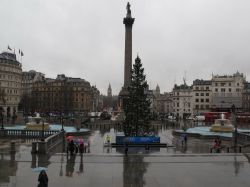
{"type": "Point", "coordinates": [43, 179]}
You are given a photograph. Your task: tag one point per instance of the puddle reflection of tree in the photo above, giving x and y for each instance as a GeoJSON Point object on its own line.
{"type": "Point", "coordinates": [134, 169]}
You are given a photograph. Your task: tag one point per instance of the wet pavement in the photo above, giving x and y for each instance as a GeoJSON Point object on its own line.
{"type": "Point", "coordinates": [190, 165]}
{"type": "Point", "coordinates": [192, 170]}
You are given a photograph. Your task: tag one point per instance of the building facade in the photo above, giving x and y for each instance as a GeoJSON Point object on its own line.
{"type": "Point", "coordinates": [10, 84]}
{"type": "Point", "coordinates": [202, 96]}
{"type": "Point", "coordinates": [182, 101]}
{"type": "Point", "coordinates": [96, 99]}
{"type": "Point", "coordinates": [163, 104]}
{"type": "Point", "coordinates": [246, 97]}
{"type": "Point", "coordinates": [227, 91]}
{"type": "Point", "coordinates": [63, 94]}
{"type": "Point", "coordinates": [28, 78]}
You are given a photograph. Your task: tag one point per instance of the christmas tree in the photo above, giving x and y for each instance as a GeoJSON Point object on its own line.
{"type": "Point", "coordinates": [137, 105]}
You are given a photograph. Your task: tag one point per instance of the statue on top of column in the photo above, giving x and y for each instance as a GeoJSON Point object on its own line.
{"type": "Point", "coordinates": [128, 10]}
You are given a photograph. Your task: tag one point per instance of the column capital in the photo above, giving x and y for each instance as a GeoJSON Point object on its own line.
{"type": "Point", "coordinates": [128, 21]}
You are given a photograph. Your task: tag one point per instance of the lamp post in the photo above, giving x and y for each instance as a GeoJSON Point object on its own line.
{"type": "Point", "coordinates": [2, 120]}
{"type": "Point", "coordinates": [1, 115]}
{"type": "Point", "coordinates": [235, 128]}
{"type": "Point", "coordinates": [62, 123]}
{"type": "Point", "coordinates": [42, 139]}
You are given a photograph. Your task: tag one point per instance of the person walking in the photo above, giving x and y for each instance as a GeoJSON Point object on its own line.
{"type": "Point", "coordinates": [71, 147]}
{"type": "Point", "coordinates": [43, 179]}
{"type": "Point", "coordinates": [182, 139]}
{"type": "Point", "coordinates": [126, 149]}
{"type": "Point", "coordinates": [81, 148]}
{"type": "Point", "coordinates": [185, 139]}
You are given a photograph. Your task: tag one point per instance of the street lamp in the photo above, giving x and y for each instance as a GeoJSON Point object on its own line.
{"type": "Point", "coordinates": [62, 123]}
{"type": "Point", "coordinates": [235, 127]}
{"type": "Point", "coordinates": [42, 139]}
{"type": "Point", "coordinates": [2, 120]}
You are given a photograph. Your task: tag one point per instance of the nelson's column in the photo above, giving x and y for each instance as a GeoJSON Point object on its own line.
{"type": "Point", "coordinates": [128, 22]}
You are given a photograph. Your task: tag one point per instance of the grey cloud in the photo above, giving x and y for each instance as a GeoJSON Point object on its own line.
{"type": "Point", "coordinates": [85, 38]}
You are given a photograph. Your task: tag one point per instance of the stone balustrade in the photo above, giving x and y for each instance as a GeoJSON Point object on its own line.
{"type": "Point", "coordinates": [43, 147]}
{"type": "Point", "coordinates": [21, 133]}
{"type": "Point", "coordinates": [243, 138]}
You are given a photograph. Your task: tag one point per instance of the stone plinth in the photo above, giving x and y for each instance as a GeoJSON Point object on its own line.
{"type": "Point", "coordinates": [42, 147]}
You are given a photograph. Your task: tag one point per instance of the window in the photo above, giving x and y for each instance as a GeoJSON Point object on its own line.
{"type": "Point", "coordinates": [196, 94]}
{"type": "Point", "coordinates": [177, 104]}
{"type": "Point", "coordinates": [196, 106]}
{"type": "Point", "coordinates": [229, 84]}
{"type": "Point", "coordinates": [201, 106]}
{"type": "Point", "coordinates": [229, 89]}
{"type": "Point", "coordinates": [207, 94]}
{"type": "Point", "coordinates": [207, 100]}
{"type": "Point", "coordinates": [222, 84]}
{"type": "Point", "coordinates": [216, 89]}
{"type": "Point", "coordinates": [197, 88]}
{"type": "Point", "coordinates": [207, 88]}
{"type": "Point", "coordinates": [216, 84]}
{"type": "Point", "coordinates": [202, 94]}
{"type": "Point", "coordinates": [223, 90]}
{"type": "Point", "coordinates": [196, 100]}
{"type": "Point", "coordinates": [207, 106]}
{"type": "Point", "coordinates": [202, 100]}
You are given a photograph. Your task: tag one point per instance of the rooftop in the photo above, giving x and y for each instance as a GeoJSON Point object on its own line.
{"type": "Point", "coordinates": [9, 57]}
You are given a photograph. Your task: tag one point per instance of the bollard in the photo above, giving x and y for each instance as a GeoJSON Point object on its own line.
{"type": "Point", "coordinates": [12, 147]}
{"type": "Point", "coordinates": [34, 148]}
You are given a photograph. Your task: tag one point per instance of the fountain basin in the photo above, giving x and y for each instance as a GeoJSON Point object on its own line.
{"type": "Point", "coordinates": [207, 133]}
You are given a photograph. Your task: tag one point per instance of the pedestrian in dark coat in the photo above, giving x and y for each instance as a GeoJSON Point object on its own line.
{"type": "Point", "coordinates": [43, 179]}
{"type": "Point", "coordinates": [71, 147]}
{"type": "Point", "coordinates": [81, 148]}
{"type": "Point", "coordinates": [185, 139]}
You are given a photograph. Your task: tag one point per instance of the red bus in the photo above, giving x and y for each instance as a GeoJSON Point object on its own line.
{"type": "Point", "coordinates": [243, 117]}
{"type": "Point", "coordinates": [211, 116]}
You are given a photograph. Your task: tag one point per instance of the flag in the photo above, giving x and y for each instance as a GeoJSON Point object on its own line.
{"type": "Point", "coordinates": [9, 48]}
{"type": "Point", "coordinates": [21, 53]}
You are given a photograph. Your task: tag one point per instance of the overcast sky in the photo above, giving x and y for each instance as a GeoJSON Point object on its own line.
{"type": "Point", "coordinates": [85, 38]}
